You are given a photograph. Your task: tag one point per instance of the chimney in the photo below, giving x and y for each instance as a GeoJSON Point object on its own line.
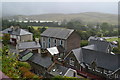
{"type": "Point", "coordinates": [36, 40]}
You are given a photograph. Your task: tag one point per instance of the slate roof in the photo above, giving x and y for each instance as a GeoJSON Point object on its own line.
{"type": "Point", "coordinates": [103, 60]}
{"type": "Point", "coordinates": [16, 32]}
{"type": "Point", "coordinates": [78, 54]}
{"type": "Point", "coordinates": [57, 69]}
{"type": "Point", "coordinates": [57, 33]}
{"type": "Point", "coordinates": [42, 61]}
{"type": "Point", "coordinates": [98, 45]}
{"type": "Point", "coordinates": [29, 45]}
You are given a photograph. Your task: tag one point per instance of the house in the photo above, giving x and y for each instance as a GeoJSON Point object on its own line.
{"type": "Point", "coordinates": [67, 38]}
{"type": "Point", "coordinates": [18, 35]}
{"type": "Point", "coordinates": [99, 44]}
{"type": "Point", "coordinates": [40, 64]}
{"type": "Point", "coordinates": [43, 65]}
{"type": "Point", "coordinates": [73, 59]}
{"type": "Point", "coordinates": [101, 64]}
{"type": "Point", "coordinates": [94, 63]}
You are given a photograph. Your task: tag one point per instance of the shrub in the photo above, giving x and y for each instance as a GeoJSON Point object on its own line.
{"type": "Point", "coordinates": [24, 64]}
{"type": "Point", "coordinates": [23, 69]}
{"type": "Point", "coordinates": [83, 43]}
{"type": "Point", "coordinates": [28, 74]}
{"type": "Point", "coordinates": [116, 50]}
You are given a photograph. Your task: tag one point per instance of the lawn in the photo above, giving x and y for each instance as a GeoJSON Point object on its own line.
{"type": "Point", "coordinates": [112, 39]}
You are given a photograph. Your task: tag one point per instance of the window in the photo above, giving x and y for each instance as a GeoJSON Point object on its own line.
{"type": "Point", "coordinates": [49, 40]}
{"type": "Point", "coordinates": [55, 41]}
{"type": "Point", "coordinates": [43, 45]}
{"type": "Point", "coordinates": [74, 74]}
{"type": "Point", "coordinates": [43, 39]}
{"type": "Point", "coordinates": [61, 42]}
{"type": "Point", "coordinates": [71, 61]}
{"type": "Point", "coordinates": [49, 45]}
{"type": "Point", "coordinates": [116, 76]}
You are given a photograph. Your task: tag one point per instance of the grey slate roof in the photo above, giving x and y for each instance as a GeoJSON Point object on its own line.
{"type": "Point", "coordinates": [78, 54]}
{"type": "Point", "coordinates": [103, 60]}
{"type": "Point", "coordinates": [16, 32]}
{"type": "Point", "coordinates": [29, 45]}
{"type": "Point", "coordinates": [58, 69]}
{"type": "Point", "coordinates": [98, 45]}
{"type": "Point", "coordinates": [57, 33]}
{"type": "Point", "coordinates": [42, 61]}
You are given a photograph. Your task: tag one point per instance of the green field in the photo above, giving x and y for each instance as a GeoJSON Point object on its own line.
{"type": "Point", "coordinates": [112, 39]}
{"type": "Point", "coordinates": [36, 27]}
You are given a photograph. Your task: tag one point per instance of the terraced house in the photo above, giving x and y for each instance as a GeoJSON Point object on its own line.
{"type": "Point", "coordinates": [67, 38]}
{"type": "Point", "coordinates": [95, 61]}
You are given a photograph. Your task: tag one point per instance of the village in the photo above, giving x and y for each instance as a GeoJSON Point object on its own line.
{"type": "Point", "coordinates": [59, 40]}
{"type": "Point", "coordinates": [58, 53]}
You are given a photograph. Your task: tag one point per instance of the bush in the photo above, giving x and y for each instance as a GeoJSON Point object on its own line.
{"type": "Point", "coordinates": [28, 74]}
{"type": "Point", "coordinates": [116, 50]}
{"type": "Point", "coordinates": [23, 69]}
{"type": "Point", "coordinates": [24, 64]}
{"type": "Point", "coordinates": [83, 43]}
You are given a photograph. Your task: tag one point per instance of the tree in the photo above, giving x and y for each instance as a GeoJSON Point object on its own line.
{"type": "Point", "coordinates": [6, 39]}
{"type": "Point", "coordinates": [42, 29]}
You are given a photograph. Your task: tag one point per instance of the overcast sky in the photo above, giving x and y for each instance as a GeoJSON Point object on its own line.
{"type": "Point", "coordinates": [31, 8]}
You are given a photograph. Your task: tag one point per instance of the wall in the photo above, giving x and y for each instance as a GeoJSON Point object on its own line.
{"type": "Point", "coordinates": [26, 37]}
{"type": "Point", "coordinates": [73, 42]}
{"type": "Point", "coordinates": [76, 63]}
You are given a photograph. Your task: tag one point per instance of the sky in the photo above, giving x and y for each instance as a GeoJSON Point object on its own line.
{"type": "Point", "coordinates": [33, 8]}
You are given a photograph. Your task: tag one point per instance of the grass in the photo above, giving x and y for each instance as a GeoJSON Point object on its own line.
{"type": "Point", "coordinates": [112, 39]}
{"type": "Point", "coordinates": [36, 27]}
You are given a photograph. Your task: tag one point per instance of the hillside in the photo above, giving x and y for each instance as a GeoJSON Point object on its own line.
{"type": "Point", "coordinates": [87, 17]}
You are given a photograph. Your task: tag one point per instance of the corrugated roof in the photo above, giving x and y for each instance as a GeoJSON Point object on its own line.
{"type": "Point", "coordinates": [55, 50]}
{"type": "Point", "coordinates": [57, 33]}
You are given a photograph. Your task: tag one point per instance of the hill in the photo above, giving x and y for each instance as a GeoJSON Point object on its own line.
{"type": "Point", "coordinates": [87, 17]}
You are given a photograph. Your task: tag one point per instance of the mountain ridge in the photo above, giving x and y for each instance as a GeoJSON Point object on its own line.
{"type": "Point", "coordinates": [86, 17]}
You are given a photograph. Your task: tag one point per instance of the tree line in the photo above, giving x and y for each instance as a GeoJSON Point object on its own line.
{"type": "Point", "coordinates": [84, 30]}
